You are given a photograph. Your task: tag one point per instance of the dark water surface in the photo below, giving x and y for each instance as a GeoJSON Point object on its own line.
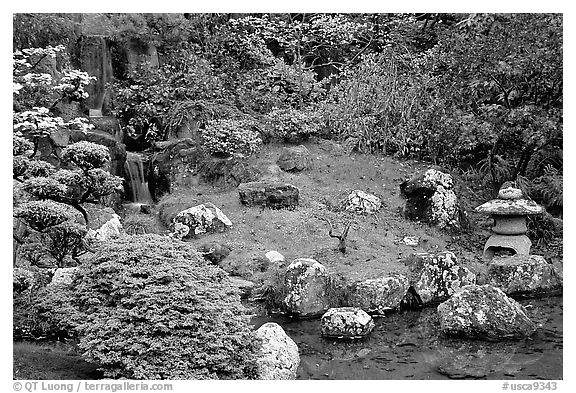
{"type": "Point", "coordinates": [408, 345]}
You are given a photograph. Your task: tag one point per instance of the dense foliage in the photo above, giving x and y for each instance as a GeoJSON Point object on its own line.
{"type": "Point", "coordinates": [149, 307]}
{"type": "Point", "coordinates": [53, 193]}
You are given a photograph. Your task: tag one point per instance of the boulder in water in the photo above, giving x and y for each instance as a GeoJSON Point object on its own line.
{"type": "Point", "coordinates": [279, 357]}
{"type": "Point", "coordinates": [484, 312]}
{"type": "Point", "coordinates": [378, 295]}
{"type": "Point", "coordinates": [307, 286]}
{"type": "Point", "coordinates": [437, 276]}
{"type": "Point", "coordinates": [346, 322]}
{"type": "Point", "coordinates": [524, 275]}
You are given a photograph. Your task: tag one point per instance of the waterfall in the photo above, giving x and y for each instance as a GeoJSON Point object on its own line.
{"type": "Point", "coordinates": [138, 184]}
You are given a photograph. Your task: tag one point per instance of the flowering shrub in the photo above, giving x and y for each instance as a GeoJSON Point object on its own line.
{"type": "Point", "coordinates": [231, 138]}
{"type": "Point", "coordinates": [149, 307]}
{"type": "Point", "coordinates": [36, 122]}
{"type": "Point", "coordinates": [72, 85]}
{"type": "Point", "coordinates": [293, 125]}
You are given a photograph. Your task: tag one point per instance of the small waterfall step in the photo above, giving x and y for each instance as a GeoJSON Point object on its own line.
{"type": "Point", "coordinates": [134, 168]}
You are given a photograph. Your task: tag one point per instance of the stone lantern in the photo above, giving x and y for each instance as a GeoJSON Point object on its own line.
{"type": "Point", "coordinates": [509, 212]}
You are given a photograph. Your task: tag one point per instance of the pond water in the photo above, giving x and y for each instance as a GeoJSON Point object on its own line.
{"type": "Point", "coordinates": [408, 345]}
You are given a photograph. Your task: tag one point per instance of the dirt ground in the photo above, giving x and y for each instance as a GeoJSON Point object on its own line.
{"type": "Point", "coordinates": [375, 246]}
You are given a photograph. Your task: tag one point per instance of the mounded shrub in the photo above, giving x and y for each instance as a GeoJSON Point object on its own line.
{"type": "Point", "coordinates": [149, 307]}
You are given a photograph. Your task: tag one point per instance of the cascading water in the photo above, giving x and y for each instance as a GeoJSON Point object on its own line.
{"type": "Point", "coordinates": [138, 185]}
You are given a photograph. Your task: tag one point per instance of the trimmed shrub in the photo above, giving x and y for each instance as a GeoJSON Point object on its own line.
{"type": "Point", "coordinates": [86, 155]}
{"type": "Point", "coordinates": [149, 307]}
{"type": "Point", "coordinates": [231, 138]}
{"type": "Point", "coordinates": [293, 125]}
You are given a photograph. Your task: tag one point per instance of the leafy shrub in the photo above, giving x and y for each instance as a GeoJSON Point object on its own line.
{"type": "Point", "coordinates": [40, 215]}
{"type": "Point", "coordinates": [148, 307]}
{"type": "Point", "coordinates": [293, 125]}
{"type": "Point", "coordinates": [86, 155]}
{"type": "Point", "coordinates": [44, 187]}
{"type": "Point", "coordinates": [231, 138]}
{"type": "Point", "coordinates": [38, 168]}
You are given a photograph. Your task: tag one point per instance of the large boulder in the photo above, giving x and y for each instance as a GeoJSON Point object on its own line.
{"type": "Point", "coordinates": [524, 276]}
{"type": "Point", "coordinates": [200, 219]}
{"type": "Point", "coordinates": [280, 357]}
{"type": "Point", "coordinates": [362, 202]}
{"type": "Point", "coordinates": [307, 288]}
{"type": "Point", "coordinates": [346, 322]}
{"type": "Point", "coordinates": [270, 194]}
{"type": "Point", "coordinates": [109, 230]}
{"type": "Point", "coordinates": [430, 198]}
{"type": "Point", "coordinates": [103, 223]}
{"type": "Point", "coordinates": [378, 295]}
{"type": "Point", "coordinates": [294, 159]}
{"type": "Point", "coordinates": [437, 276]}
{"type": "Point", "coordinates": [63, 276]}
{"type": "Point", "coordinates": [484, 312]}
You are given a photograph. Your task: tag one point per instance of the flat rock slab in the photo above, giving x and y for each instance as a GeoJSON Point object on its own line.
{"type": "Point", "coordinates": [510, 207]}
{"type": "Point", "coordinates": [484, 312]}
{"type": "Point", "coordinates": [274, 195]}
{"type": "Point", "coordinates": [524, 276]}
{"type": "Point", "coordinates": [346, 322]}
